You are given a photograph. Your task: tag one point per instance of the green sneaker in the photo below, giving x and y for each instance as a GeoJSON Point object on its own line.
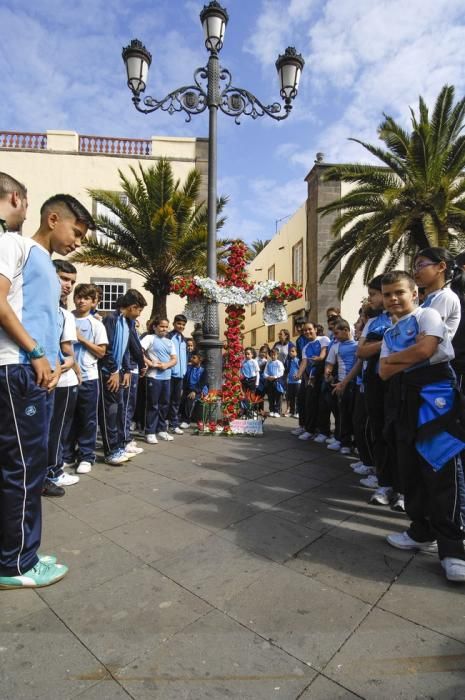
{"type": "Point", "coordinates": [47, 558]}
{"type": "Point", "coordinates": [40, 575]}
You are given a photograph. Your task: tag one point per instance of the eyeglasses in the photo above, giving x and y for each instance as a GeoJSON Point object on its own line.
{"type": "Point", "coordinates": [419, 266]}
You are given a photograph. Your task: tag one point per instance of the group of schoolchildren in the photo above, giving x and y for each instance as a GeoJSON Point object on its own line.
{"type": "Point", "coordinates": [64, 374]}
{"type": "Point", "coordinates": [390, 390]}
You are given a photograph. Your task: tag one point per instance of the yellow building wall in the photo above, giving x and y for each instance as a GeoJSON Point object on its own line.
{"type": "Point", "coordinates": [277, 253]}
{"type": "Point", "coordinates": [62, 169]}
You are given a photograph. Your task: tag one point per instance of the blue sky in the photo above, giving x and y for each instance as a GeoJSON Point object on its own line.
{"type": "Point", "coordinates": [62, 69]}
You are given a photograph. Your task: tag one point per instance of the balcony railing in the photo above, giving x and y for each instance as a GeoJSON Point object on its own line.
{"type": "Point", "coordinates": [22, 139]}
{"type": "Point", "coordinates": [101, 145]}
{"type": "Point", "coordinates": [109, 145]}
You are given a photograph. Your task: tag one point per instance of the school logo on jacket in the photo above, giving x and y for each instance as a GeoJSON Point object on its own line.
{"type": "Point", "coordinates": [30, 410]}
{"type": "Point", "coordinates": [440, 402]}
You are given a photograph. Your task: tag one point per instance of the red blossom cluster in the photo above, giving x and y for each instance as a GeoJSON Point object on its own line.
{"type": "Point", "coordinates": [285, 292]}
{"type": "Point", "coordinates": [186, 287]}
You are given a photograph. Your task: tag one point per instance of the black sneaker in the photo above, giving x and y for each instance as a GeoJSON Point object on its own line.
{"type": "Point", "coordinates": [51, 489]}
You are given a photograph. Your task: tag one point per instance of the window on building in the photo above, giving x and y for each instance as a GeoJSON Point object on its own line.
{"type": "Point", "coordinates": [111, 290]}
{"type": "Point", "coordinates": [253, 337]}
{"type": "Point", "coordinates": [298, 263]}
{"type": "Point", "coordinates": [271, 334]}
{"type": "Point", "coordinates": [295, 317]}
{"type": "Point", "coordinates": [253, 309]}
{"type": "Point", "coordinates": [271, 273]}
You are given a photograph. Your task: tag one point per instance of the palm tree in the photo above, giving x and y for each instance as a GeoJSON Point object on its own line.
{"type": "Point", "coordinates": [414, 199]}
{"type": "Point", "coordinates": [157, 229]}
{"type": "Point", "coordinates": [256, 247]}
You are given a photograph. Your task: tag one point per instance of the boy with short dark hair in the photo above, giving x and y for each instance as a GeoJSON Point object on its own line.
{"type": "Point", "coordinates": [91, 345]}
{"type": "Point", "coordinates": [29, 370]}
{"type": "Point", "coordinates": [194, 385]}
{"type": "Point", "coordinates": [114, 373]}
{"type": "Point", "coordinates": [424, 423]}
{"type": "Point", "coordinates": [178, 372]}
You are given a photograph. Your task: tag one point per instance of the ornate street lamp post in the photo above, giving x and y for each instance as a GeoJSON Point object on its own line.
{"type": "Point", "coordinates": [212, 90]}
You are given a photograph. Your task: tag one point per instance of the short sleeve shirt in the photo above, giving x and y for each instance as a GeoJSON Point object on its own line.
{"type": "Point", "coordinates": [160, 349]}
{"type": "Point", "coordinates": [94, 331]}
{"type": "Point", "coordinates": [344, 354]}
{"type": "Point", "coordinates": [403, 334]}
{"type": "Point", "coordinates": [34, 296]}
{"type": "Point", "coordinates": [68, 335]}
{"type": "Point", "coordinates": [447, 304]}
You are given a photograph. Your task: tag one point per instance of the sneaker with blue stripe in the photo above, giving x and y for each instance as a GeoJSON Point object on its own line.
{"type": "Point", "coordinates": [39, 576]}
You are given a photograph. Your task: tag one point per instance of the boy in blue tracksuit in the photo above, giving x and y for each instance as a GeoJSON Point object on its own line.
{"type": "Point", "coordinates": [291, 368]}
{"type": "Point", "coordinates": [178, 372]}
{"type": "Point", "coordinates": [424, 422]}
{"type": "Point", "coordinates": [114, 374]}
{"type": "Point", "coordinates": [194, 386]}
{"type": "Point", "coordinates": [29, 370]}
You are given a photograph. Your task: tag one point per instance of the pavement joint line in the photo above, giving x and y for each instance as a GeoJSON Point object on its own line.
{"type": "Point", "coordinates": [83, 644]}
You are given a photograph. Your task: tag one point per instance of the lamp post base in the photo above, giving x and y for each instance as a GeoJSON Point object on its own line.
{"type": "Point", "coordinates": [212, 348]}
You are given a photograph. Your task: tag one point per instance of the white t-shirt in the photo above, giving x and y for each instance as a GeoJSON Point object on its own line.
{"type": "Point", "coordinates": [447, 304]}
{"type": "Point", "coordinates": [68, 334]}
{"type": "Point", "coordinates": [95, 332]}
{"type": "Point", "coordinates": [403, 334]}
{"type": "Point", "coordinates": [34, 296]}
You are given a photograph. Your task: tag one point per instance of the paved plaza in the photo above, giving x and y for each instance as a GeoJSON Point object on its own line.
{"type": "Point", "coordinates": [215, 567]}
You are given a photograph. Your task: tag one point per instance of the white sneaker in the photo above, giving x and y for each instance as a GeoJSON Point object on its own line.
{"type": "Point", "coordinates": [363, 469]}
{"type": "Point", "coordinates": [116, 458]}
{"type": "Point", "coordinates": [132, 449]}
{"type": "Point", "coordinates": [454, 569]}
{"type": "Point", "coordinates": [178, 431]}
{"type": "Point", "coordinates": [185, 426]}
{"type": "Point", "coordinates": [320, 438]}
{"type": "Point", "coordinates": [382, 496]}
{"type": "Point", "coordinates": [66, 480]}
{"type": "Point", "coordinates": [335, 446]}
{"type": "Point", "coordinates": [305, 436]}
{"type": "Point", "coordinates": [298, 431]}
{"type": "Point", "coordinates": [345, 450]}
{"type": "Point", "coordinates": [330, 440]}
{"type": "Point", "coordinates": [151, 439]}
{"type": "Point", "coordinates": [68, 465]}
{"type": "Point", "coordinates": [165, 436]}
{"type": "Point", "coordinates": [398, 503]}
{"type": "Point", "coordinates": [295, 415]}
{"type": "Point", "coordinates": [370, 482]}
{"type": "Point", "coordinates": [84, 468]}
{"type": "Point", "coordinates": [356, 464]}
{"type": "Point", "coordinates": [402, 540]}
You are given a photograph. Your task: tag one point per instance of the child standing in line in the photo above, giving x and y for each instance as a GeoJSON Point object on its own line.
{"type": "Point", "coordinates": [424, 422]}
{"type": "Point", "coordinates": [114, 373]}
{"type": "Point", "coordinates": [250, 371]}
{"type": "Point", "coordinates": [161, 357]}
{"type": "Point", "coordinates": [91, 346]}
{"type": "Point", "coordinates": [343, 353]}
{"type": "Point", "coordinates": [274, 371]}
{"type": "Point", "coordinates": [194, 385]}
{"type": "Point", "coordinates": [293, 382]}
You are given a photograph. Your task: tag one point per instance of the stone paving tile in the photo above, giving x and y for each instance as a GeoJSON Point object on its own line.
{"type": "Point", "coordinates": [107, 689]}
{"type": "Point", "coordinates": [316, 470]}
{"type": "Point", "coordinates": [324, 689]}
{"type": "Point", "coordinates": [157, 537]}
{"type": "Point", "coordinates": [128, 479]}
{"type": "Point", "coordinates": [62, 529]}
{"type": "Point", "coordinates": [87, 490]}
{"type": "Point", "coordinates": [248, 469]}
{"type": "Point", "coordinates": [215, 569]}
{"type": "Point", "coordinates": [40, 659]}
{"type": "Point", "coordinates": [316, 514]}
{"type": "Point", "coordinates": [260, 495]}
{"type": "Point", "coordinates": [347, 567]}
{"type": "Point", "coordinates": [13, 606]}
{"type": "Point", "coordinates": [388, 657]}
{"type": "Point", "coordinates": [270, 536]}
{"type": "Point", "coordinates": [294, 483]}
{"type": "Point", "coordinates": [423, 594]}
{"type": "Point", "coordinates": [370, 527]}
{"type": "Point", "coordinates": [95, 562]}
{"type": "Point", "coordinates": [127, 616]}
{"type": "Point", "coordinates": [110, 512]}
{"type": "Point", "coordinates": [312, 623]}
{"type": "Point", "coordinates": [214, 513]}
{"type": "Point", "coordinates": [168, 494]}
{"type": "Point", "coordinates": [217, 483]}
{"type": "Point", "coordinates": [215, 657]}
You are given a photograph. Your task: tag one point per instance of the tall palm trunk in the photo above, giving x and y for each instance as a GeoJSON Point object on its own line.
{"type": "Point", "coordinates": [159, 306]}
